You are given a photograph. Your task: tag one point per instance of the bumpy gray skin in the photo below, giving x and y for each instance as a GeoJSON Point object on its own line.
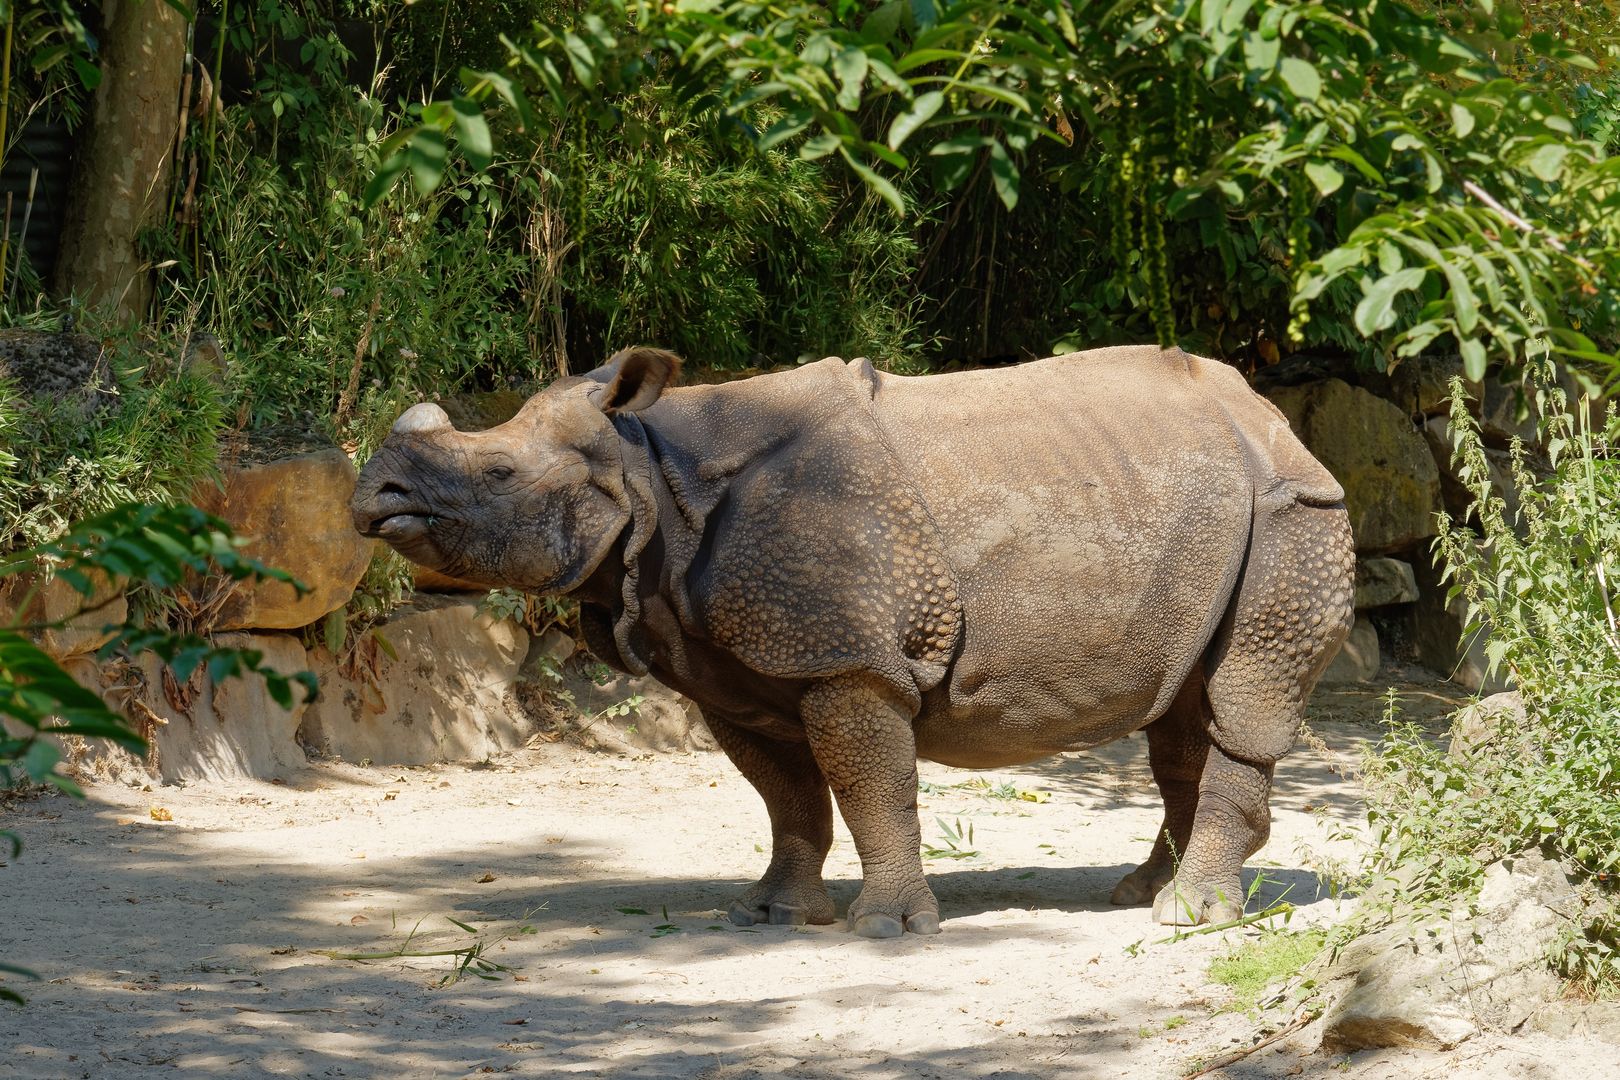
{"type": "Point", "coordinates": [849, 570]}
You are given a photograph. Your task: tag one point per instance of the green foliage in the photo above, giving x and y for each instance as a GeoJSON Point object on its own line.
{"type": "Point", "coordinates": [154, 545]}
{"type": "Point", "coordinates": [1543, 588]}
{"type": "Point", "coordinates": [152, 441]}
{"type": "Point", "coordinates": [333, 313]}
{"type": "Point", "coordinates": [690, 238]}
{"type": "Point", "coordinates": [1374, 169]}
{"type": "Point", "coordinates": [1261, 960]}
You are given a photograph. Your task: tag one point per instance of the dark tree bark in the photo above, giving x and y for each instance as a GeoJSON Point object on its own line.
{"type": "Point", "coordinates": [121, 179]}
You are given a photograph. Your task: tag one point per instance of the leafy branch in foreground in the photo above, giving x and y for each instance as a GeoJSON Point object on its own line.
{"type": "Point", "coordinates": [136, 543]}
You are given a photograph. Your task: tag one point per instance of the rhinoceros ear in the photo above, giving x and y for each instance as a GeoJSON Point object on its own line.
{"type": "Point", "coordinates": [635, 378]}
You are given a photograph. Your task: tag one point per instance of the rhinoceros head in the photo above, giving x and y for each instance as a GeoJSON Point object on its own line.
{"type": "Point", "coordinates": [535, 503]}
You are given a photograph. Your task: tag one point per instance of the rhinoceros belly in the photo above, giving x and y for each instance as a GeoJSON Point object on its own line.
{"type": "Point", "coordinates": [1095, 527]}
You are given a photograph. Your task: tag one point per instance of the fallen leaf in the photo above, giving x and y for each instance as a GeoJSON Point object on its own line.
{"type": "Point", "coordinates": [514, 802]}
{"type": "Point", "coordinates": [358, 855]}
{"type": "Point", "coordinates": [1035, 796]}
{"type": "Point", "coordinates": [358, 919]}
{"type": "Point", "coordinates": [485, 878]}
{"type": "Point", "coordinates": [161, 813]}
{"type": "Point", "coordinates": [390, 796]}
{"type": "Point", "coordinates": [517, 1022]}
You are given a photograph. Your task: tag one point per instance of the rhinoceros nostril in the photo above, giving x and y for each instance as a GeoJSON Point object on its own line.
{"type": "Point", "coordinates": [391, 488]}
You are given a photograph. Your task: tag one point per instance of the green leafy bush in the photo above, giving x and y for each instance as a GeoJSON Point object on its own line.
{"type": "Point", "coordinates": [322, 302]}
{"type": "Point", "coordinates": [153, 440]}
{"type": "Point", "coordinates": [689, 237]}
{"type": "Point", "coordinates": [1370, 176]}
{"type": "Point", "coordinates": [1544, 588]}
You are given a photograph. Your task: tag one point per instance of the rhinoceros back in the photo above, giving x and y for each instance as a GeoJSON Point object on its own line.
{"type": "Point", "coordinates": [1095, 510]}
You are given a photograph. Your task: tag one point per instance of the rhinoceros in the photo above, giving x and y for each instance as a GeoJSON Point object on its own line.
{"type": "Point", "coordinates": [848, 570]}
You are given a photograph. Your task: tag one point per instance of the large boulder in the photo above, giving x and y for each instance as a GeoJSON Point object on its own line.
{"type": "Point", "coordinates": [433, 683]}
{"type": "Point", "coordinates": [1391, 485]}
{"type": "Point", "coordinates": [86, 622]}
{"type": "Point", "coordinates": [1433, 981]}
{"type": "Point", "coordinates": [1357, 660]}
{"type": "Point", "coordinates": [1382, 582]}
{"type": "Point", "coordinates": [293, 511]}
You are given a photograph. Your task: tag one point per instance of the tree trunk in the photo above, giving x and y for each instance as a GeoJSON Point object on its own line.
{"type": "Point", "coordinates": [121, 179]}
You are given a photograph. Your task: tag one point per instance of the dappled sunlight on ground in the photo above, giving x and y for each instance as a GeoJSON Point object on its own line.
{"type": "Point", "coordinates": [194, 947]}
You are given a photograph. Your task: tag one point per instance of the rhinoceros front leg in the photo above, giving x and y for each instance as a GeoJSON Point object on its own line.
{"type": "Point", "coordinates": [863, 740]}
{"type": "Point", "coordinates": [786, 776]}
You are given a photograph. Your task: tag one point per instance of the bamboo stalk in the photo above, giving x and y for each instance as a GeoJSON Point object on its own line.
{"type": "Point", "coordinates": [22, 234]}
{"type": "Point", "coordinates": [5, 123]}
{"type": "Point", "coordinates": [5, 248]}
{"type": "Point", "coordinates": [5, 82]}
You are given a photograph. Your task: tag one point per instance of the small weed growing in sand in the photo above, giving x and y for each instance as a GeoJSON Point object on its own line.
{"type": "Point", "coordinates": [1261, 961]}
{"type": "Point", "coordinates": [958, 844]}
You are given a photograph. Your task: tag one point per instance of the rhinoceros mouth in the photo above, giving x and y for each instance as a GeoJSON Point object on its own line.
{"type": "Point", "coordinates": [399, 527]}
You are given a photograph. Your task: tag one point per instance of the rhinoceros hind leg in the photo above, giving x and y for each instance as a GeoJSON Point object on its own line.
{"type": "Point", "coordinates": [864, 744]}
{"type": "Point", "coordinates": [1292, 609]}
{"type": "Point", "coordinates": [1232, 822]}
{"type": "Point", "coordinates": [791, 892]}
{"type": "Point", "coordinates": [1178, 742]}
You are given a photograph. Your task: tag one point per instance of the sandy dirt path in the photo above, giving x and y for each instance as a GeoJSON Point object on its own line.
{"type": "Point", "coordinates": [188, 948]}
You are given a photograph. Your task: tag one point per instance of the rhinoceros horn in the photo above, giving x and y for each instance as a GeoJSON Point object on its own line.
{"type": "Point", "coordinates": [420, 419]}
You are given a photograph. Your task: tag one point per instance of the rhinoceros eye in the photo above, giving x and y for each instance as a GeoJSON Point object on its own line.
{"type": "Point", "coordinates": [498, 472]}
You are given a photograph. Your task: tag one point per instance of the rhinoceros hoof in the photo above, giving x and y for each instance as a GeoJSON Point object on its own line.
{"type": "Point", "coordinates": [1140, 886]}
{"type": "Point", "coordinates": [1179, 904]}
{"type": "Point", "coordinates": [878, 925]}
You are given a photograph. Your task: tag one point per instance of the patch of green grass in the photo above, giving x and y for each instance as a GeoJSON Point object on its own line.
{"type": "Point", "coordinates": [1261, 961]}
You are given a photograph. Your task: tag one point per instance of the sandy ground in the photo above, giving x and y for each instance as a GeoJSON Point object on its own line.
{"type": "Point", "coordinates": [191, 947]}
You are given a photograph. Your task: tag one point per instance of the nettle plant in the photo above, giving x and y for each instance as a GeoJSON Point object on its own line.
{"type": "Point", "coordinates": [1543, 588]}
{"type": "Point", "coordinates": [1412, 176]}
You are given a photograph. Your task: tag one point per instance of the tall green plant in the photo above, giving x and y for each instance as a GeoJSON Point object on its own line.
{"type": "Point", "coordinates": [331, 309]}
{"type": "Point", "coordinates": [152, 438]}
{"type": "Point", "coordinates": [1543, 588]}
{"type": "Point", "coordinates": [688, 237]}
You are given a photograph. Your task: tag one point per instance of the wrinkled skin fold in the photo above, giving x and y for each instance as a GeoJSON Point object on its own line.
{"type": "Point", "coordinates": [848, 570]}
